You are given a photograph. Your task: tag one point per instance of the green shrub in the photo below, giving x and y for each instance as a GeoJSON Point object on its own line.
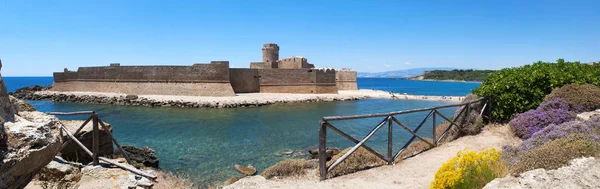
{"type": "Point", "coordinates": [516, 90]}
{"type": "Point", "coordinates": [557, 153]}
{"type": "Point", "coordinates": [585, 97]}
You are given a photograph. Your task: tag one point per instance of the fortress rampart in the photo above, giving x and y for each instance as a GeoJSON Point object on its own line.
{"type": "Point", "coordinates": [196, 80]}
{"type": "Point", "coordinates": [346, 79]}
{"type": "Point", "coordinates": [289, 75]}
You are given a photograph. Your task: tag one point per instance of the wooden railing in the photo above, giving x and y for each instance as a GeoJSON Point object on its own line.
{"type": "Point", "coordinates": [390, 119]}
{"type": "Point", "coordinates": [96, 122]}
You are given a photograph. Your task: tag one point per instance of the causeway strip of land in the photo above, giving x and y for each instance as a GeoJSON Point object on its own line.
{"type": "Point", "coordinates": [256, 99]}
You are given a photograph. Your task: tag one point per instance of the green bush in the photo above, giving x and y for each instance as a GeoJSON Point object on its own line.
{"type": "Point", "coordinates": [516, 90]}
{"type": "Point", "coordinates": [584, 97]}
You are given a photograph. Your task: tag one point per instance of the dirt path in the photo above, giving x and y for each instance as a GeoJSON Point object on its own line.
{"type": "Point", "coordinates": [416, 172]}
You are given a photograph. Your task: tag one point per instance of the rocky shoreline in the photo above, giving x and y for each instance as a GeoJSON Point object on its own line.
{"type": "Point", "coordinates": [238, 101]}
{"type": "Point", "coordinates": [42, 93]}
{"type": "Point", "coordinates": [132, 100]}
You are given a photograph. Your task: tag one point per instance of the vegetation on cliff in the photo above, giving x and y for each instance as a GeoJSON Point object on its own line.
{"type": "Point", "coordinates": [551, 136]}
{"type": "Point", "coordinates": [456, 75]}
{"type": "Point", "coordinates": [516, 90]}
{"type": "Point", "coordinates": [470, 169]}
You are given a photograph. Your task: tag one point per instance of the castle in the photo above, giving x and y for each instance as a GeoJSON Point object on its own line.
{"type": "Point", "coordinates": [288, 75]}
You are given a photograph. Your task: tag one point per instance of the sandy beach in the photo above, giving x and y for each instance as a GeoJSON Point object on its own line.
{"type": "Point", "coordinates": [258, 99]}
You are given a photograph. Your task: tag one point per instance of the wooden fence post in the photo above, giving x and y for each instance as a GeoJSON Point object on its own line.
{"type": "Point", "coordinates": [466, 116]}
{"type": "Point", "coordinates": [490, 101]}
{"type": "Point", "coordinates": [389, 155]}
{"type": "Point", "coordinates": [433, 130]}
{"type": "Point", "coordinates": [95, 139]}
{"type": "Point", "coordinates": [322, 150]}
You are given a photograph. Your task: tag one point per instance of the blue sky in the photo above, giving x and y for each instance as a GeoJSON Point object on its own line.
{"type": "Point", "coordinates": [41, 37]}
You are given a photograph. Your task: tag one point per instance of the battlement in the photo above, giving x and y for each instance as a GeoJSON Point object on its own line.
{"type": "Point", "coordinates": [295, 62]}
{"type": "Point", "coordinates": [271, 45]}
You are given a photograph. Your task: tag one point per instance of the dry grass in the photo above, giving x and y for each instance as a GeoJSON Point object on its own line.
{"type": "Point", "coordinates": [556, 153]}
{"type": "Point", "coordinates": [168, 180]}
{"type": "Point", "coordinates": [419, 146]}
{"type": "Point", "coordinates": [361, 159]}
{"type": "Point", "coordinates": [287, 168]}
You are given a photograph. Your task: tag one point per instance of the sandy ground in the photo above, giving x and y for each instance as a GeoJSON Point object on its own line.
{"type": "Point", "coordinates": [416, 172]}
{"type": "Point", "coordinates": [268, 98]}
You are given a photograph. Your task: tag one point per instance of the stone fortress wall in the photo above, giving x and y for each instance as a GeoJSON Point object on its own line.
{"type": "Point", "coordinates": [289, 75]}
{"type": "Point", "coordinates": [346, 79]}
{"type": "Point", "coordinates": [196, 80]}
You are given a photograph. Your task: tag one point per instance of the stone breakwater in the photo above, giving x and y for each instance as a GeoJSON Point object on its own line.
{"type": "Point", "coordinates": [240, 100]}
{"type": "Point", "coordinates": [132, 100]}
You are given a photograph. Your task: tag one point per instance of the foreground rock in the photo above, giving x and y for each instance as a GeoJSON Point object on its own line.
{"type": "Point", "coordinates": [141, 156]}
{"type": "Point", "coordinates": [314, 153]}
{"type": "Point", "coordinates": [73, 152]}
{"type": "Point", "coordinates": [582, 173]}
{"type": "Point", "coordinates": [105, 176]}
{"type": "Point", "coordinates": [32, 141]}
{"type": "Point", "coordinates": [60, 170]}
{"type": "Point", "coordinates": [247, 170]}
{"type": "Point", "coordinates": [21, 105]}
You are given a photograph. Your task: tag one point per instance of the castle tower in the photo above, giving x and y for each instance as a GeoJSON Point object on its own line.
{"type": "Point", "coordinates": [270, 55]}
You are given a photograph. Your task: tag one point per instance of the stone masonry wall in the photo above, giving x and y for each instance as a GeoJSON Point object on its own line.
{"type": "Point", "coordinates": [244, 80]}
{"type": "Point", "coordinates": [215, 72]}
{"type": "Point", "coordinates": [140, 88]}
{"type": "Point", "coordinates": [294, 63]}
{"type": "Point", "coordinates": [297, 81]}
{"type": "Point", "coordinates": [196, 80]}
{"type": "Point", "coordinates": [346, 80]}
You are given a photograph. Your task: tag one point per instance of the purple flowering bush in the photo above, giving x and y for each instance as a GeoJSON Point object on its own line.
{"type": "Point", "coordinates": [554, 111]}
{"type": "Point", "coordinates": [554, 146]}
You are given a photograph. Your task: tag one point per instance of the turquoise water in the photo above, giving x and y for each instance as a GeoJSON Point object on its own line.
{"type": "Point", "coordinates": [205, 143]}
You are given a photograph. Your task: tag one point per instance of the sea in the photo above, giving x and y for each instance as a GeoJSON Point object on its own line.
{"type": "Point", "coordinates": [204, 144]}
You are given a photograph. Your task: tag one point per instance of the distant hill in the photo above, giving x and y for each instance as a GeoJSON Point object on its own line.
{"type": "Point", "coordinates": [455, 75]}
{"type": "Point", "coordinates": [407, 73]}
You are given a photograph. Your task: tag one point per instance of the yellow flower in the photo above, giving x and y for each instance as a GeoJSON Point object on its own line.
{"type": "Point", "coordinates": [469, 169]}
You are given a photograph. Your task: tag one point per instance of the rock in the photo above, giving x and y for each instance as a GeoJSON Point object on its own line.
{"type": "Point", "coordinates": [233, 179]}
{"type": "Point", "coordinates": [587, 115]}
{"type": "Point", "coordinates": [144, 156]}
{"type": "Point", "coordinates": [131, 97]}
{"type": "Point", "coordinates": [32, 142]}
{"type": "Point", "coordinates": [284, 152]}
{"type": "Point", "coordinates": [314, 153]}
{"type": "Point", "coordinates": [60, 170]}
{"type": "Point", "coordinates": [73, 152]}
{"type": "Point", "coordinates": [21, 105]}
{"type": "Point", "coordinates": [248, 170]}
{"type": "Point", "coordinates": [28, 142]}
{"type": "Point", "coordinates": [582, 173]}
{"type": "Point", "coordinates": [247, 182]}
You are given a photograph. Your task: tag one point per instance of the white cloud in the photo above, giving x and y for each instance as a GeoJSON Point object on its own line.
{"type": "Point", "coordinates": [407, 63]}
{"type": "Point", "coordinates": [387, 65]}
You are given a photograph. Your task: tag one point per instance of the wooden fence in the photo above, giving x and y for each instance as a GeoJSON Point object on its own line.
{"type": "Point", "coordinates": [390, 119]}
{"type": "Point", "coordinates": [96, 122]}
